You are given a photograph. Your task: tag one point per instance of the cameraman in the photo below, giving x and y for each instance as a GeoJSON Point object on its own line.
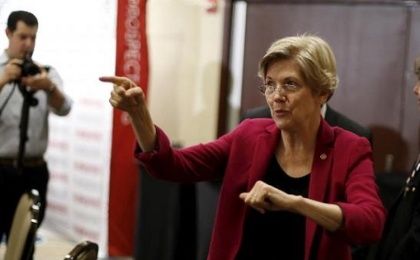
{"type": "Point", "coordinates": [17, 76]}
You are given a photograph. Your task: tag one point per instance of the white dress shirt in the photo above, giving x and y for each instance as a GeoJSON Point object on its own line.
{"type": "Point", "coordinates": [38, 117]}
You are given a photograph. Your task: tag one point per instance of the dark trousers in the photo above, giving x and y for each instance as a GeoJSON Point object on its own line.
{"type": "Point", "coordinates": [13, 185]}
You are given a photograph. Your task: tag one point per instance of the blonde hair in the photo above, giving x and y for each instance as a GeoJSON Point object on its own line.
{"type": "Point", "coordinates": [312, 54]}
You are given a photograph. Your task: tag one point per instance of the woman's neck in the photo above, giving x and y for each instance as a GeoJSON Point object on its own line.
{"type": "Point", "coordinates": [302, 139]}
{"type": "Point", "coordinates": [296, 150]}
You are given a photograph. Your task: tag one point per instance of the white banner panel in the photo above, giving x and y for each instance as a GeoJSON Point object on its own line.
{"type": "Point", "coordinates": [77, 38]}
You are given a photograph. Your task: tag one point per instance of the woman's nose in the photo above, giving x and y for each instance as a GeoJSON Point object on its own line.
{"type": "Point", "coordinates": [279, 95]}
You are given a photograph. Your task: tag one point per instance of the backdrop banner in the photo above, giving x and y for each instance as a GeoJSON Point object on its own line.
{"type": "Point", "coordinates": [131, 62]}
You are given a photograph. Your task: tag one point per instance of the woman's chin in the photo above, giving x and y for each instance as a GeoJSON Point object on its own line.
{"type": "Point", "coordinates": [282, 125]}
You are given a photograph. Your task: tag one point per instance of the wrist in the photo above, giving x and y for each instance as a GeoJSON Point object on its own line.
{"type": "Point", "coordinates": [296, 203]}
{"type": "Point", "coordinates": [51, 89]}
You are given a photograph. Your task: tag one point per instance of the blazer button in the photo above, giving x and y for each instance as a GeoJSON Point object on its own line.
{"type": "Point", "coordinates": [323, 156]}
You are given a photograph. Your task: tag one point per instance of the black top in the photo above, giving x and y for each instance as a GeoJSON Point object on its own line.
{"type": "Point", "coordinates": [276, 234]}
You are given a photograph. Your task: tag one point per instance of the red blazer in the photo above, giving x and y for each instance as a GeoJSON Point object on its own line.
{"type": "Point", "coordinates": [342, 173]}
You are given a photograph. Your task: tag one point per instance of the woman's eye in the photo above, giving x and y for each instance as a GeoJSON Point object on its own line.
{"type": "Point", "coordinates": [291, 85]}
{"type": "Point", "coordinates": [270, 83]}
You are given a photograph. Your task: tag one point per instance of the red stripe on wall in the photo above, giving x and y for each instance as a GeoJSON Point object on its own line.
{"type": "Point", "coordinates": [131, 62]}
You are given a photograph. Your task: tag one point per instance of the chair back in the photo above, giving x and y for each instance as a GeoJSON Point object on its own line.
{"type": "Point", "coordinates": [24, 226]}
{"type": "Point", "coordinates": [85, 250]}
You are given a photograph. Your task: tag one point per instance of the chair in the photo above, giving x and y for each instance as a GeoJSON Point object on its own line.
{"type": "Point", "coordinates": [85, 250]}
{"type": "Point", "coordinates": [24, 226]}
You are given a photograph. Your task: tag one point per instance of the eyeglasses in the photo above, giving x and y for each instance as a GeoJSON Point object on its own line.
{"type": "Point", "coordinates": [270, 87]}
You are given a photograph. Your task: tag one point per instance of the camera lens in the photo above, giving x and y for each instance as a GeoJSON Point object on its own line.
{"type": "Point", "coordinates": [29, 68]}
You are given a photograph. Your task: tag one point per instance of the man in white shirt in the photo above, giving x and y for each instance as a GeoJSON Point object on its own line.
{"type": "Point", "coordinates": [22, 165]}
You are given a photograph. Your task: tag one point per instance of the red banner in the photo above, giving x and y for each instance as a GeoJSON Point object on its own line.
{"type": "Point", "coordinates": [131, 62]}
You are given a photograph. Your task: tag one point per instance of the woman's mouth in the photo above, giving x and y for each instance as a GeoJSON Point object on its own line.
{"type": "Point", "coordinates": [280, 112]}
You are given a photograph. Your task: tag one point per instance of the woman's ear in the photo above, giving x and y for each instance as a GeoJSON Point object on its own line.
{"type": "Point", "coordinates": [324, 97]}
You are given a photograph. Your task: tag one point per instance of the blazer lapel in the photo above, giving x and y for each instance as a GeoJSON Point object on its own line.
{"type": "Point", "coordinates": [264, 150]}
{"type": "Point", "coordinates": [320, 175]}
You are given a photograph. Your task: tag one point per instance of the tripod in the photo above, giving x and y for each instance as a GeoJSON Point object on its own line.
{"type": "Point", "coordinates": [28, 101]}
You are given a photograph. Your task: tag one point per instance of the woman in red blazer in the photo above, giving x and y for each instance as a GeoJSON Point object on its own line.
{"type": "Point", "coordinates": [293, 186]}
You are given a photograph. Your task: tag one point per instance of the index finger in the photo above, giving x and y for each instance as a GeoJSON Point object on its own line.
{"type": "Point", "coordinates": [114, 79]}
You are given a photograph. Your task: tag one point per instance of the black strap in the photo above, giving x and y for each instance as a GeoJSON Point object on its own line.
{"type": "Point", "coordinates": [7, 99]}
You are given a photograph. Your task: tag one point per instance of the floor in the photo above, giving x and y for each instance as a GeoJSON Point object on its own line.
{"type": "Point", "coordinates": [49, 246]}
{"type": "Point", "coordinates": [52, 246]}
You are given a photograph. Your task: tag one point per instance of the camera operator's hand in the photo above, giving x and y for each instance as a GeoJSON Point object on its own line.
{"type": "Point", "coordinates": [39, 81]}
{"type": "Point", "coordinates": [12, 71]}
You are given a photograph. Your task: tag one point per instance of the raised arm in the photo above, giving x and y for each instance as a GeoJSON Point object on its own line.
{"type": "Point", "coordinates": [129, 97]}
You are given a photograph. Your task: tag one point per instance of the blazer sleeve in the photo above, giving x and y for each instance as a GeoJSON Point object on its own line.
{"type": "Point", "coordinates": [363, 211]}
{"type": "Point", "coordinates": [202, 162]}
